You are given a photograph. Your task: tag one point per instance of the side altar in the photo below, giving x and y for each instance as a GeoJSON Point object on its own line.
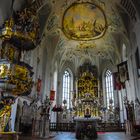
{"type": "Point", "coordinates": [87, 105]}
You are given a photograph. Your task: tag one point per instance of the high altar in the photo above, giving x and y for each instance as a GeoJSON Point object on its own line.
{"type": "Point", "coordinates": [87, 103]}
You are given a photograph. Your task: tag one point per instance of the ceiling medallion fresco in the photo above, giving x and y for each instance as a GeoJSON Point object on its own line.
{"type": "Point", "coordinates": [84, 21]}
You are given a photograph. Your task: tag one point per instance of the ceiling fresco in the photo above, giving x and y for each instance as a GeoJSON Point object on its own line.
{"type": "Point", "coordinates": [86, 29]}
{"type": "Point", "coordinates": [84, 21]}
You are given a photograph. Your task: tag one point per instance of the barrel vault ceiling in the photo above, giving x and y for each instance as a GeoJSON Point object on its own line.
{"type": "Point", "coordinates": [87, 30]}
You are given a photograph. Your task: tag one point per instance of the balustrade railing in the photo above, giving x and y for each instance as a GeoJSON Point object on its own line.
{"type": "Point", "coordinates": [101, 127]}
{"type": "Point", "coordinates": [62, 127]}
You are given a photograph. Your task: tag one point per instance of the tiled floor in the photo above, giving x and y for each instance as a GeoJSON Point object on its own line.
{"type": "Point", "coordinates": [71, 136]}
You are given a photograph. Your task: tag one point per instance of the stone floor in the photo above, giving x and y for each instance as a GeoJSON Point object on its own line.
{"type": "Point", "coordinates": [71, 136]}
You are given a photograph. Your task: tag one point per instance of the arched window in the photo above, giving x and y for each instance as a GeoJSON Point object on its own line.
{"type": "Point", "coordinates": [109, 88]}
{"type": "Point", "coordinates": [67, 80]}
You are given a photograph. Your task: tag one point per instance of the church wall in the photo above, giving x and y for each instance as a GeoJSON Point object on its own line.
{"type": "Point", "coordinates": [42, 65]}
{"type": "Point", "coordinates": [137, 33]}
{"type": "Point", "coordinates": [130, 85]}
{"type": "Point", "coordinates": [107, 65]}
{"type": "Point", "coordinates": [136, 30]}
{"type": "Point", "coordinates": [67, 65]}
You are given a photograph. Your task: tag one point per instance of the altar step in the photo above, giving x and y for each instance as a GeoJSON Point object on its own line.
{"type": "Point", "coordinates": [71, 136]}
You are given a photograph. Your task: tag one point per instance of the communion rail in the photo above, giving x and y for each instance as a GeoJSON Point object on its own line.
{"type": "Point", "coordinates": [101, 127]}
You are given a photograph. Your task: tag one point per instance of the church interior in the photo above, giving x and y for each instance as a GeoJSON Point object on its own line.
{"type": "Point", "coordinates": [69, 69]}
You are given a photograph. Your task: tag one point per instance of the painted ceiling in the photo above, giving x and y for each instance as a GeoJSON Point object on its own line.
{"type": "Point", "coordinates": [84, 21]}
{"type": "Point", "coordinates": [85, 28]}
